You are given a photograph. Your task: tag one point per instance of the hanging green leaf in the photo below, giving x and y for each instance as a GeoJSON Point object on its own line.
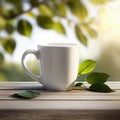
{"type": "Point", "coordinates": [2, 23]}
{"type": "Point", "coordinates": [11, 13]}
{"type": "Point", "coordinates": [17, 6]}
{"type": "Point", "coordinates": [9, 28]}
{"type": "Point", "coordinates": [78, 8]}
{"type": "Point", "coordinates": [26, 95]}
{"type": "Point", "coordinates": [86, 66]}
{"type": "Point", "coordinates": [34, 2]}
{"type": "Point", "coordinates": [81, 37]}
{"type": "Point", "coordinates": [60, 9]}
{"type": "Point", "coordinates": [100, 88]}
{"type": "Point", "coordinates": [99, 2]}
{"type": "Point", "coordinates": [1, 58]}
{"type": "Point", "coordinates": [31, 14]}
{"type": "Point", "coordinates": [92, 20]}
{"type": "Point", "coordinates": [46, 10]}
{"type": "Point", "coordinates": [91, 31]}
{"type": "Point", "coordinates": [58, 27]}
{"type": "Point", "coordinates": [45, 22]}
{"type": "Point", "coordinates": [83, 10]}
{"type": "Point", "coordinates": [9, 45]}
{"type": "Point", "coordinates": [24, 28]}
{"type": "Point", "coordinates": [96, 77]}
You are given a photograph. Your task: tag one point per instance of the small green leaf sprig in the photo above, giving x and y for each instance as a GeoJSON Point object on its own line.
{"type": "Point", "coordinates": [95, 79]}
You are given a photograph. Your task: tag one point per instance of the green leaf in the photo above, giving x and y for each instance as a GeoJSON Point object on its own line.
{"type": "Point", "coordinates": [31, 14]}
{"type": "Point", "coordinates": [9, 45]}
{"type": "Point", "coordinates": [9, 28]}
{"type": "Point", "coordinates": [96, 77]}
{"type": "Point", "coordinates": [81, 37]}
{"type": "Point", "coordinates": [46, 10]}
{"type": "Point", "coordinates": [92, 20]}
{"type": "Point", "coordinates": [100, 88]}
{"type": "Point", "coordinates": [60, 9]}
{"type": "Point", "coordinates": [58, 27]}
{"type": "Point", "coordinates": [16, 6]}
{"type": "Point", "coordinates": [45, 22]}
{"type": "Point", "coordinates": [91, 31]}
{"type": "Point", "coordinates": [83, 11]}
{"type": "Point", "coordinates": [78, 8]}
{"type": "Point", "coordinates": [26, 94]}
{"type": "Point", "coordinates": [24, 28]}
{"type": "Point", "coordinates": [86, 66]}
{"type": "Point", "coordinates": [34, 2]}
{"type": "Point", "coordinates": [99, 2]}
{"type": "Point", "coordinates": [1, 58]}
{"type": "Point", "coordinates": [2, 23]}
{"type": "Point", "coordinates": [78, 84]}
{"type": "Point", "coordinates": [81, 78]}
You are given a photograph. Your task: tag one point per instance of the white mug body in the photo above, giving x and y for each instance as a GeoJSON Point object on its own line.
{"type": "Point", "coordinates": [58, 65]}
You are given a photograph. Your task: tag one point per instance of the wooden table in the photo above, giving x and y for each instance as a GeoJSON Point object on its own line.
{"type": "Point", "coordinates": [69, 105]}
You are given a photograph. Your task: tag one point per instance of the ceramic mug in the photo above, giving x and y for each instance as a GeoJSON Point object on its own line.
{"type": "Point", "coordinates": [58, 65]}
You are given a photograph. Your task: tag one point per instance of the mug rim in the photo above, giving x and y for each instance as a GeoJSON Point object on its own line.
{"type": "Point", "coordinates": [59, 45]}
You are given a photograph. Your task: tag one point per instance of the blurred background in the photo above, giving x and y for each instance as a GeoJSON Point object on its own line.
{"type": "Point", "coordinates": [94, 24]}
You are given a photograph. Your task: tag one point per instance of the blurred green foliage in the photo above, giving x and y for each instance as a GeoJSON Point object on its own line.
{"type": "Point", "coordinates": [13, 72]}
{"type": "Point", "coordinates": [49, 15]}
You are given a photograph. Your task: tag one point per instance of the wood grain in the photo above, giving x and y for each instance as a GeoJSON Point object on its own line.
{"type": "Point", "coordinates": [66, 105]}
{"type": "Point", "coordinates": [60, 115]}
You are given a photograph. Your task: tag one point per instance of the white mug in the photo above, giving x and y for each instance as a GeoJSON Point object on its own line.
{"type": "Point", "coordinates": [58, 65]}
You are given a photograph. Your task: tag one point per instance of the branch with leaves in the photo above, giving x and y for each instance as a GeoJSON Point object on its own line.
{"type": "Point", "coordinates": [48, 16]}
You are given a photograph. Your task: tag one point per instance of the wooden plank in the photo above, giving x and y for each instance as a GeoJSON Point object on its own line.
{"type": "Point", "coordinates": [59, 115]}
{"type": "Point", "coordinates": [37, 85]}
{"type": "Point", "coordinates": [59, 105]}
{"type": "Point", "coordinates": [20, 85]}
{"type": "Point", "coordinates": [75, 99]}
{"type": "Point", "coordinates": [74, 95]}
{"type": "Point", "coordinates": [67, 105]}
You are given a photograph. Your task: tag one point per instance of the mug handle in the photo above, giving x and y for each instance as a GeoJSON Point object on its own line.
{"type": "Point", "coordinates": [32, 75]}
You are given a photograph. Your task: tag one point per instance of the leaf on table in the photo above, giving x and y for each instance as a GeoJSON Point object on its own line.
{"type": "Point", "coordinates": [86, 66]}
{"type": "Point", "coordinates": [96, 77]}
{"type": "Point", "coordinates": [78, 84]}
{"type": "Point", "coordinates": [100, 88]}
{"type": "Point", "coordinates": [26, 95]}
